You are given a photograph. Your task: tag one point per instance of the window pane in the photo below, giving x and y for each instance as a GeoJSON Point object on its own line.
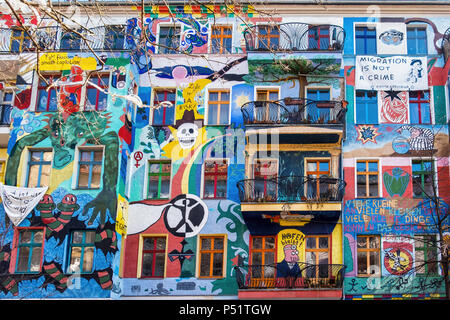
{"type": "Point", "coordinates": [257, 258]}
{"type": "Point", "coordinates": [25, 236]}
{"type": "Point", "coordinates": [374, 242]}
{"type": "Point", "coordinates": [77, 237]}
{"type": "Point", "coordinates": [374, 262]}
{"type": "Point", "coordinates": [362, 242]}
{"type": "Point", "coordinates": [159, 264]}
{"type": "Point", "coordinates": [362, 262]}
{"type": "Point", "coordinates": [206, 243]}
{"type": "Point", "coordinates": [96, 176]}
{"type": "Point", "coordinates": [75, 260]}
{"type": "Point", "coordinates": [36, 259]}
{"type": "Point", "coordinates": [204, 264]}
{"type": "Point", "coordinates": [218, 243]}
{"type": "Point", "coordinates": [149, 243]}
{"type": "Point", "coordinates": [269, 243]}
{"type": "Point", "coordinates": [89, 237]}
{"type": "Point", "coordinates": [88, 259]}
{"type": "Point", "coordinates": [147, 264]}
{"type": "Point", "coordinates": [310, 243]}
{"type": "Point", "coordinates": [165, 187]}
{"type": "Point", "coordinates": [217, 264]}
{"type": "Point", "coordinates": [361, 186]}
{"type": "Point", "coordinates": [45, 175]}
{"type": "Point", "coordinates": [257, 243]}
{"type": "Point", "coordinates": [83, 176]}
{"type": "Point", "coordinates": [22, 262]}
{"type": "Point", "coordinates": [323, 243]}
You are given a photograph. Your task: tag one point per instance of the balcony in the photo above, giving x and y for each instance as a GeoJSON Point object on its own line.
{"type": "Point", "coordinates": [312, 281]}
{"type": "Point", "coordinates": [293, 111]}
{"type": "Point", "coordinates": [291, 189]}
{"type": "Point", "coordinates": [294, 37]}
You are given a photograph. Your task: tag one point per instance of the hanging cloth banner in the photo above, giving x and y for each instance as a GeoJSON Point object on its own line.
{"type": "Point", "coordinates": [397, 73]}
{"type": "Point", "coordinates": [18, 202]}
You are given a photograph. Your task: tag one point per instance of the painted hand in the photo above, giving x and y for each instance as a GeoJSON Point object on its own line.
{"type": "Point", "coordinates": [105, 200]}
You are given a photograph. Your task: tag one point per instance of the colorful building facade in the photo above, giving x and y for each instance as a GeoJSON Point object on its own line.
{"type": "Point", "coordinates": [217, 152]}
{"type": "Point", "coordinates": [395, 157]}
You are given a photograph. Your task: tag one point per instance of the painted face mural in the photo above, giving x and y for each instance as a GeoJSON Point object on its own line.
{"type": "Point", "coordinates": [186, 215]}
{"type": "Point", "coordinates": [291, 253]}
{"type": "Point", "coordinates": [187, 135]}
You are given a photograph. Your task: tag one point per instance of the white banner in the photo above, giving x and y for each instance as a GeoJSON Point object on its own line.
{"type": "Point", "coordinates": [18, 202]}
{"type": "Point", "coordinates": [397, 73]}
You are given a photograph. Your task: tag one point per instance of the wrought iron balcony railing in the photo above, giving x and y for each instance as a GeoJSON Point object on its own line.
{"type": "Point", "coordinates": [274, 276]}
{"type": "Point", "coordinates": [293, 111]}
{"type": "Point", "coordinates": [291, 189]}
{"type": "Point", "coordinates": [294, 36]}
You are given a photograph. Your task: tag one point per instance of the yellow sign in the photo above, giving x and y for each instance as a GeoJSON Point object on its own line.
{"type": "Point", "coordinates": [56, 61]}
{"type": "Point", "coordinates": [122, 215]}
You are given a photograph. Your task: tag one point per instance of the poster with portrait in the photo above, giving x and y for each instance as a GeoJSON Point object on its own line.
{"type": "Point", "coordinates": [391, 38]}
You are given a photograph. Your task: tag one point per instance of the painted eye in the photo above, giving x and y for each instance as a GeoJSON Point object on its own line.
{"type": "Point", "coordinates": [80, 134]}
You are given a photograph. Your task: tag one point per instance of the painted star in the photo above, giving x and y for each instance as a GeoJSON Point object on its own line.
{"type": "Point", "coordinates": [392, 94]}
{"type": "Point", "coordinates": [367, 133]}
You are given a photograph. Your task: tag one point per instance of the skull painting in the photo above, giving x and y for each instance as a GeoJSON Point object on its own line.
{"type": "Point", "coordinates": [187, 134]}
{"type": "Point", "coordinates": [186, 215]}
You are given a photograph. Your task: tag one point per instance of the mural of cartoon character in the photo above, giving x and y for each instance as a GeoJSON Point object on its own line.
{"type": "Point", "coordinates": [289, 266]}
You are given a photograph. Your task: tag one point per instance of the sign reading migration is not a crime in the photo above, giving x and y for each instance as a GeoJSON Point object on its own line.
{"type": "Point", "coordinates": [398, 73]}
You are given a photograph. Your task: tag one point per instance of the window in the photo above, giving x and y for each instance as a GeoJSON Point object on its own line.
{"type": "Point", "coordinates": [419, 105]}
{"type": "Point", "coordinates": [90, 168]}
{"type": "Point", "coordinates": [169, 39]}
{"type": "Point", "coordinates": [158, 180]}
{"type": "Point", "coordinates": [96, 99]}
{"type": "Point", "coordinates": [367, 178]}
{"type": "Point", "coordinates": [218, 107]}
{"type": "Point", "coordinates": [153, 257]}
{"type": "Point", "coordinates": [211, 256]}
{"type": "Point", "coordinates": [20, 40]}
{"type": "Point", "coordinates": [366, 107]}
{"type": "Point", "coordinates": [29, 250]}
{"type": "Point", "coordinates": [317, 253]}
{"type": "Point", "coordinates": [268, 38]}
{"type": "Point", "coordinates": [165, 114]}
{"type": "Point", "coordinates": [114, 37]}
{"type": "Point", "coordinates": [316, 169]}
{"type": "Point", "coordinates": [368, 255]}
{"type": "Point", "coordinates": [39, 168]}
{"type": "Point", "coordinates": [417, 40]}
{"type": "Point", "coordinates": [267, 94]}
{"type": "Point", "coordinates": [263, 255]}
{"type": "Point", "coordinates": [47, 100]}
{"type": "Point", "coordinates": [81, 251]}
{"type": "Point", "coordinates": [422, 172]}
{"type": "Point", "coordinates": [262, 110]}
{"type": "Point", "coordinates": [426, 259]}
{"type": "Point", "coordinates": [315, 113]}
{"type": "Point", "coordinates": [366, 40]}
{"type": "Point", "coordinates": [319, 38]}
{"type": "Point", "coordinates": [221, 39]}
{"type": "Point", "coordinates": [6, 105]}
{"type": "Point", "coordinates": [71, 40]}
{"type": "Point", "coordinates": [215, 179]}
{"type": "Point", "coordinates": [265, 171]}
